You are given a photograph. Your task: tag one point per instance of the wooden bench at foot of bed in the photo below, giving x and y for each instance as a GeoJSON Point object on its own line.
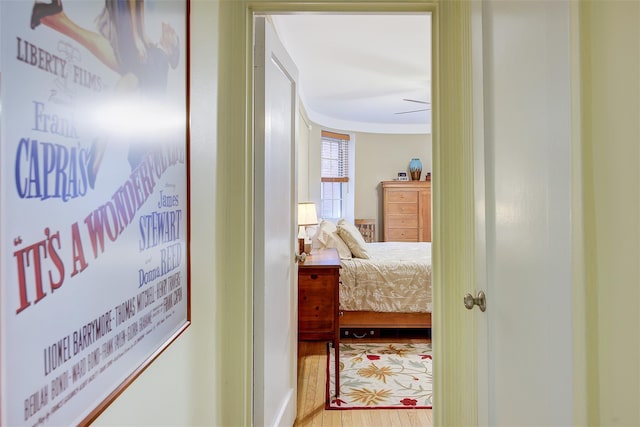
{"type": "Point", "coordinates": [382, 320]}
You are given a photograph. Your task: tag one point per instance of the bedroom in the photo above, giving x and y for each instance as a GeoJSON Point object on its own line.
{"type": "Point", "coordinates": [379, 151]}
{"type": "Point", "coordinates": [377, 107]}
{"type": "Point", "coordinates": [375, 87]}
{"type": "Point", "coordinates": [345, 89]}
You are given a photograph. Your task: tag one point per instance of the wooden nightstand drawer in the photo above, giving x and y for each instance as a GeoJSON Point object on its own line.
{"type": "Point", "coordinates": [316, 303]}
{"type": "Point", "coordinates": [318, 280]}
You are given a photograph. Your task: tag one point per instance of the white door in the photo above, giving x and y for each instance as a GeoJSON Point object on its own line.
{"type": "Point", "coordinates": [275, 278]}
{"type": "Point", "coordinates": [526, 157]}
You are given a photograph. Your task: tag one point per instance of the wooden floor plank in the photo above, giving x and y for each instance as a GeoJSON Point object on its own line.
{"type": "Point", "coordinates": [303, 379]}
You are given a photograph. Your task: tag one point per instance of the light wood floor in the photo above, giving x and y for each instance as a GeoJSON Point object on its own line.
{"type": "Point", "coordinates": [312, 371]}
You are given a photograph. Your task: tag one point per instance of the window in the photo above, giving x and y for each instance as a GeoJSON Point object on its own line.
{"type": "Point", "coordinates": [334, 170]}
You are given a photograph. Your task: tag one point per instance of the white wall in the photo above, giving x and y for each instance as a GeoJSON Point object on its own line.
{"type": "Point", "coordinates": [188, 383]}
{"type": "Point", "coordinates": [379, 157]}
{"type": "Point", "coordinates": [611, 179]}
{"type": "Point", "coordinates": [304, 134]}
{"type": "Point", "coordinates": [198, 379]}
{"type": "Point", "coordinates": [183, 386]}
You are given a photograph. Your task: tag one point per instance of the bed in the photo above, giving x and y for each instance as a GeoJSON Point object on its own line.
{"type": "Point", "coordinates": [390, 289]}
{"type": "Point", "coordinates": [383, 285]}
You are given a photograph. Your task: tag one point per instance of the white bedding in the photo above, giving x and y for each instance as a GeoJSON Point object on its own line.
{"type": "Point", "coordinates": [395, 278]}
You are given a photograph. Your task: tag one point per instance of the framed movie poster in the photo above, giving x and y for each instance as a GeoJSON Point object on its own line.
{"type": "Point", "coordinates": [94, 200]}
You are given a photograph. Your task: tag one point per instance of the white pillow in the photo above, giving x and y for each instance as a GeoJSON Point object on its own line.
{"type": "Point", "coordinates": [353, 238]}
{"type": "Point", "coordinates": [323, 233]}
{"type": "Point", "coordinates": [328, 237]}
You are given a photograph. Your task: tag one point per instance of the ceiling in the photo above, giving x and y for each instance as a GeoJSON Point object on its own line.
{"type": "Point", "coordinates": [356, 72]}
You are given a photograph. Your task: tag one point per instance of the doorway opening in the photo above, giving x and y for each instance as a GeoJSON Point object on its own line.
{"type": "Point", "coordinates": [405, 111]}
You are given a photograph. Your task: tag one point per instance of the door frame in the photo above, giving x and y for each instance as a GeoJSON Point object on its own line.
{"type": "Point", "coordinates": [453, 239]}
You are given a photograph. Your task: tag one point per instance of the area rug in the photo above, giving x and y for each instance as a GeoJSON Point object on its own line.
{"type": "Point", "coordinates": [381, 376]}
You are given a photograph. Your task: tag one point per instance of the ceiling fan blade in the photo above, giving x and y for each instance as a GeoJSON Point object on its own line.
{"type": "Point", "coordinates": [413, 111]}
{"type": "Point", "coordinates": [415, 100]}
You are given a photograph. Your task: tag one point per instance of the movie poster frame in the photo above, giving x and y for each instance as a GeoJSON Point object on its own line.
{"type": "Point", "coordinates": [7, 242]}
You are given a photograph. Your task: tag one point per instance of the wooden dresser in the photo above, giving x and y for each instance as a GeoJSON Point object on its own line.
{"type": "Point", "coordinates": [318, 303]}
{"type": "Point", "coordinates": [406, 211]}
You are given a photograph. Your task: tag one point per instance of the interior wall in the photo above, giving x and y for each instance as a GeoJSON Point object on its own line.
{"type": "Point", "coordinates": [184, 385]}
{"type": "Point", "coordinates": [610, 37]}
{"type": "Point", "coordinates": [193, 365]}
{"type": "Point", "coordinates": [204, 377]}
{"type": "Point", "coordinates": [304, 134]}
{"type": "Point", "coordinates": [313, 162]}
{"type": "Point", "coordinates": [379, 157]}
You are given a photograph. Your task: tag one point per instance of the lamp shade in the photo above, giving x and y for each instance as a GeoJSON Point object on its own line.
{"type": "Point", "coordinates": [307, 213]}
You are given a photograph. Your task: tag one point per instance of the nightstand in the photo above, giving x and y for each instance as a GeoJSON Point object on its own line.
{"type": "Point", "coordinates": [318, 293]}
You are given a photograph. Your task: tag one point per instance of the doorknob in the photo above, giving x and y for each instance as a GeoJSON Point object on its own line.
{"type": "Point", "coordinates": [480, 301]}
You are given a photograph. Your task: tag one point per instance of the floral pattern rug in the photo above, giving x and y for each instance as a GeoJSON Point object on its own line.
{"type": "Point", "coordinates": [381, 376]}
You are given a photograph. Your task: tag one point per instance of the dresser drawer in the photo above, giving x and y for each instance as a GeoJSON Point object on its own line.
{"type": "Point", "coordinates": [402, 197]}
{"type": "Point", "coordinates": [402, 208]}
{"type": "Point", "coordinates": [402, 235]}
{"type": "Point", "coordinates": [402, 221]}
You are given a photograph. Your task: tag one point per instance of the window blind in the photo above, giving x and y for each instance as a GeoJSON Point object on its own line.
{"type": "Point", "coordinates": [334, 165]}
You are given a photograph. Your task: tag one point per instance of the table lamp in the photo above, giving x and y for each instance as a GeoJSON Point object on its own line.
{"type": "Point", "coordinates": [306, 216]}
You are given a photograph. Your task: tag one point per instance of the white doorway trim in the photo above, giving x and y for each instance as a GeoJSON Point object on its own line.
{"type": "Point", "coordinates": [453, 199]}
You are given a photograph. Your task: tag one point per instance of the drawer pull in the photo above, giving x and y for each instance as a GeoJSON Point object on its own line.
{"type": "Point", "coordinates": [314, 276]}
{"type": "Point", "coordinates": [364, 334]}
